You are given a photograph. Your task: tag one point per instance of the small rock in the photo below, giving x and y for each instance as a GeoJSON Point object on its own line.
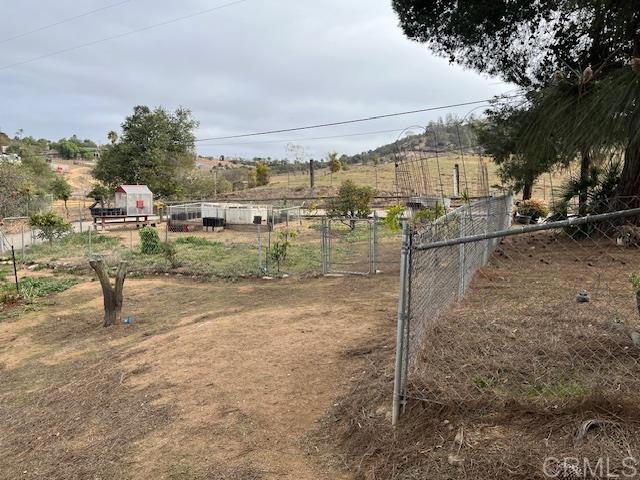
{"type": "Point", "coordinates": [583, 297]}
{"type": "Point", "coordinates": [455, 460]}
{"type": "Point", "coordinates": [617, 327]}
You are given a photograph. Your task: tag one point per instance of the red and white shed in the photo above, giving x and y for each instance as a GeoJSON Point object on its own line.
{"type": "Point", "coordinates": [135, 200]}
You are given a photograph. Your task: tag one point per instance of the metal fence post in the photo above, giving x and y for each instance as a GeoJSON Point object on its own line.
{"type": "Point", "coordinates": [401, 345]}
{"type": "Point", "coordinates": [259, 251]}
{"type": "Point", "coordinates": [324, 246]}
{"type": "Point", "coordinates": [487, 228]}
{"type": "Point", "coordinates": [374, 244]}
{"type": "Point", "coordinates": [461, 259]}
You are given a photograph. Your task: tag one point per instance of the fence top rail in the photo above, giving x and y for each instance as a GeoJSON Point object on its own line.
{"type": "Point", "coordinates": [529, 229]}
{"type": "Point", "coordinates": [184, 205]}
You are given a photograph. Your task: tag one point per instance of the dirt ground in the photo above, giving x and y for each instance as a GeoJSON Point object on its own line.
{"type": "Point", "coordinates": [509, 377]}
{"type": "Point", "coordinates": [219, 380]}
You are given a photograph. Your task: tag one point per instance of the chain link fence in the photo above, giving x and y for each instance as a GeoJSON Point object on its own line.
{"type": "Point", "coordinates": [541, 314]}
{"type": "Point", "coordinates": [358, 246]}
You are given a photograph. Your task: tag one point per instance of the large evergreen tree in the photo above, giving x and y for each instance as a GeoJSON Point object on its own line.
{"type": "Point", "coordinates": [573, 56]}
{"type": "Point", "coordinates": [155, 148]}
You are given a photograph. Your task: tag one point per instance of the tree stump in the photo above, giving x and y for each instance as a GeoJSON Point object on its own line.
{"type": "Point", "coordinates": [113, 297]}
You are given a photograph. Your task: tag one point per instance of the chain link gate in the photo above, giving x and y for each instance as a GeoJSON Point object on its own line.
{"type": "Point", "coordinates": [349, 246]}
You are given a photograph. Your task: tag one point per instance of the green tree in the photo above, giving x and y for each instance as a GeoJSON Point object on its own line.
{"type": "Point", "coordinates": [335, 165]}
{"type": "Point", "coordinates": [522, 41]}
{"type": "Point", "coordinates": [500, 134]}
{"type": "Point", "coordinates": [352, 202]}
{"type": "Point", "coordinates": [100, 194]}
{"type": "Point", "coordinates": [61, 190]}
{"type": "Point", "coordinates": [67, 149]}
{"type": "Point", "coordinates": [156, 147]}
{"type": "Point", "coordinates": [49, 225]}
{"type": "Point", "coordinates": [262, 174]}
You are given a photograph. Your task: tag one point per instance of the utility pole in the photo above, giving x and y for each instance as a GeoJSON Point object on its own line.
{"type": "Point", "coordinates": [312, 176]}
{"type": "Point", "coordinates": [215, 183]}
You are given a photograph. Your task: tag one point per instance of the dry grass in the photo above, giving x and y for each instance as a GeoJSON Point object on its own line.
{"type": "Point", "coordinates": [212, 381]}
{"type": "Point", "coordinates": [382, 178]}
{"type": "Point", "coordinates": [508, 376]}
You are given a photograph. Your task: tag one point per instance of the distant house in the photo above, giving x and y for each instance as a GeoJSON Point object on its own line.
{"type": "Point", "coordinates": [134, 200]}
{"type": "Point", "coordinates": [51, 155]}
{"type": "Point", "coordinates": [9, 157]}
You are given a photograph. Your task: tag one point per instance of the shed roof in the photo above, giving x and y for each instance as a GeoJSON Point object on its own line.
{"type": "Point", "coordinates": [137, 189]}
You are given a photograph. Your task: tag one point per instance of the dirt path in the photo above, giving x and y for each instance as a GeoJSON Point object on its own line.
{"type": "Point", "coordinates": [218, 380]}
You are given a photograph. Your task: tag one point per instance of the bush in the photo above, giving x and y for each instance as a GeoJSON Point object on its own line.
{"type": "Point", "coordinates": [393, 218]}
{"type": "Point", "coordinates": [170, 254]}
{"type": "Point", "coordinates": [150, 241]}
{"type": "Point", "coordinates": [50, 226]}
{"type": "Point", "coordinates": [533, 208]}
{"type": "Point", "coordinates": [429, 214]}
{"type": "Point", "coordinates": [33, 287]}
{"type": "Point", "coordinates": [280, 248]}
{"type": "Point", "coordinates": [353, 201]}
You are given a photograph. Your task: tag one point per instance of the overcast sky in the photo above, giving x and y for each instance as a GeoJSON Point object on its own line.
{"type": "Point", "coordinates": [257, 65]}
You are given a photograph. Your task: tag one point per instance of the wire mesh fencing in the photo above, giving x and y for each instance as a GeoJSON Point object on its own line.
{"type": "Point", "coordinates": [541, 314]}
{"type": "Point", "coordinates": [358, 246]}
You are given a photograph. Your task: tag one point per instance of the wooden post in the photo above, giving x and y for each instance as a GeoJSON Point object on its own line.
{"type": "Point", "coordinates": [113, 297]}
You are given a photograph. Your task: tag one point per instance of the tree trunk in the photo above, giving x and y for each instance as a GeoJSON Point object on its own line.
{"type": "Point", "coordinates": [527, 191]}
{"type": "Point", "coordinates": [113, 297]}
{"type": "Point", "coordinates": [629, 187]}
{"type": "Point", "coordinates": [583, 196]}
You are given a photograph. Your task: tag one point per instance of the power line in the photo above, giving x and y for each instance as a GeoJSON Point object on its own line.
{"type": "Point", "coordinates": [304, 139]}
{"type": "Point", "coordinates": [347, 122]}
{"type": "Point", "coordinates": [65, 20]}
{"type": "Point", "coordinates": [125, 34]}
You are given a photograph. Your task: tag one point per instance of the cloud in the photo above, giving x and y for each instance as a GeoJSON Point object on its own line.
{"type": "Point", "coordinates": [258, 65]}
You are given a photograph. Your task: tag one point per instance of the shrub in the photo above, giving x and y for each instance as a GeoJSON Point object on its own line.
{"type": "Point", "coordinates": [33, 287]}
{"type": "Point", "coordinates": [353, 201]}
{"type": "Point", "coordinates": [429, 214]}
{"type": "Point", "coordinates": [393, 218]}
{"type": "Point", "coordinates": [280, 248]}
{"type": "Point", "coordinates": [150, 241]}
{"type": "Point", "coordinates": [170, 254]}
{"type": "Point", "coordinates": [533, 208]}
{"type": "Point", "coordinates": [49, 225]}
